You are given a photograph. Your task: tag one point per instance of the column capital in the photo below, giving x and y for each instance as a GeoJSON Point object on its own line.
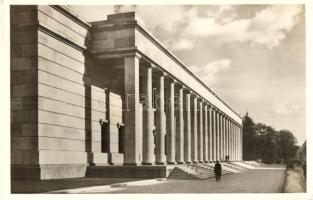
{"type": "Point", "coordinates": [134, 54]}
{"type": "Point", "coordinates": [210, 105]}
{"type": "Point", "coordinates": [180, 86]}
{"type": "Point", "coordinates": [153, 65]}
{"type": "Point", "coordinates": [194, 95]}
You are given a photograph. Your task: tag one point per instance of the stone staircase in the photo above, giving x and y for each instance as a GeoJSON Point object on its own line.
{"type": "Point", "coordinates": [252, 163]}
{"type": "Point", "coordinates": [240, 166]}
{"type": "Point", "coordinates": [194, 171]}
{"type": "Point", "coordinates": [245, 165]}
{"type": "Point", "coordinates": [235, 167]}
{"type": "Point", "coordinates": [225, 170]}
{"type": "Point", "coordinates": [206, 170]}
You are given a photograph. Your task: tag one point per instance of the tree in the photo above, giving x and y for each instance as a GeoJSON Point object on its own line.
{"type": "Point", "coordinates": [303, 152]}
{"type": "Point", "coordinates": [266, 142]}
{"type": "Point", "coordinates": [248, 138]}
{"type": "Point", "coordinates": [263, 141]}
{"type": "Point", "coordinates": [287, 145]}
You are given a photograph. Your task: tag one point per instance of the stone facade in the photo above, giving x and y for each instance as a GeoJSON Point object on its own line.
{"type": "Point", "coordinates": [106, 93]}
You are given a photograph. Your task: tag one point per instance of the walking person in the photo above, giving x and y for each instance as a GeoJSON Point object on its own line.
{"type": "Point", "coordinates": [218, 171]}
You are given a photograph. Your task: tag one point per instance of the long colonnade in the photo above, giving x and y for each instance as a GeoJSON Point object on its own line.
{"type": "Point", "coordinates": [171, 123]}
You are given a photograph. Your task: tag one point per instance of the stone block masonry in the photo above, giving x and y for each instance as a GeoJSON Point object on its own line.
{"type": "Point", "coordinates": [107, 93]}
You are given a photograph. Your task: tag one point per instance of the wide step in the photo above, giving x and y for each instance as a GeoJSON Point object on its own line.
{"type": "Point", "coordinates": [191, 172]}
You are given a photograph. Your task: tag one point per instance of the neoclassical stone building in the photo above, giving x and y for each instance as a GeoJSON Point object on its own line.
{"type": "Point", "coordinates": [109, 94]}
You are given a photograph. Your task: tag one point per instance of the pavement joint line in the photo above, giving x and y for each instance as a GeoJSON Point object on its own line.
{"type": "Point", "coordinates": [116, 185]}
{"type": "Point", "coordinates": [278, 168]}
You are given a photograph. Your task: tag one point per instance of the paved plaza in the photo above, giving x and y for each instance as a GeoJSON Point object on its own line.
{"type": "Point", "coordinates": [267, 179]}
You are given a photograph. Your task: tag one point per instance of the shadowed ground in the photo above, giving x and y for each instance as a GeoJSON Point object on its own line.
{"type": "Point", "coordinates": [266, 179]}
{"type": "Point", "coordinates": [262, 180]}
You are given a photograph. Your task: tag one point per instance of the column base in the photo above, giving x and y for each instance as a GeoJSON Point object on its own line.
{"type": "Point", "coordinates": [188, 162]}
{"type": "Point", "coordinates": [147, 163]}
{"type": "Point", "coordinates": [206, 161]}
{"type": "Point", "coordinates": [160, 163]}
{"type": "Point", "coordinates": [200, 161]}
{"type": "Point", "coordinates": [131, 164]}
{"type": "Point", "coordinates": [171, 162]}
{"type": "Point", "coordinates": [180, 162]}
{"type": "Point", "coordinates": [194, 161]}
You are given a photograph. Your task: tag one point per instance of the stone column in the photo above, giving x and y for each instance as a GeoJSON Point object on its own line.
{"type": "Point", "coordinates": [234, 141]}
{"type": "Point", "coordinates": [238, 142]}
{"type": "Point", "coordinates": [148, 120]}
{"type": "Point", "coordinates": [200, 133]}
{"type": "Point", "coordinates": [239, 153]}
{"type": "Point", "coordinates": [228, 137]}
{"type": "Point", "coordinates": [187, 141]}
{"type": "Point", "coordinates": [180, 129]}
{"type": "Point", "coordinates": [210, 134]}
{"type": "Point", "coordinates": [206, 137]}
{"type": "Point", "coordinates": [218, 136]}
{"type": "Point", "coordinates": [237, 149]}
{"type": "Point", "coordinates": [222, 136]}
{"type": "Point", "coordinates": [238, 136]}
{"type": "Point", "coordinates": [241, 143]}
{"type": "Point", "coordinates": [214, 134]}
{"type": "Point", "coordinates": [161, 124]}
{"type": "Point", "coordinates": [230, 141]}
{"type": "Point", "coordinates": [194, 152]}
{"type": "Point", "coordinates": [171, 156]}
{"type": "Point", "coordinates": [132, 115]}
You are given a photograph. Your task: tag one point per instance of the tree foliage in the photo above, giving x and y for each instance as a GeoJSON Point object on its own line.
{"type": "Point", "coordinates": [261, 141]}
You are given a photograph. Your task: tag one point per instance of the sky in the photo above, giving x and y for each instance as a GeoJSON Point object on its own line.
{"type": "Point", "coordinates": [252, 56]}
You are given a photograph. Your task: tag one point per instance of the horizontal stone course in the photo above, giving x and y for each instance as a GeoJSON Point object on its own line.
{"type": "Point", "coordinates": [61, 59]}
{"type": "Point", "coordinates": [62, 171]}
{"type": "Point", "coordinates": [62, 157]}
{"type": "Point", "coordinates": [62, 144]}
{"type": "Point", "coordinates": [70, 98]}
{"type": "Point", "coordinates": [24, 50]}
{"type": "Point", "coordinates": [60, 46]}
{"type": "Point", "coordinates": [68, 109]}
{"type": "Point", "coordinates": [24, 157]}
{"type": "Point", "coordinates": [60, 71]}
{"type": "Point", "coordinates": [25, 76]}
{"type": "Point", "coordinates": [48, 10]}
{"type": "Point", "coordinates": [24, 103]}
{"type": "Point", "coordinates": [48, 130]}
{"type": "Point", "coordinates": [26, 36]}
{"type": "Point", "coordinates": [22, 17]}
{"type": "Point", "coordinates": [23, 63]}
{"type": "Point", "coordinates": [61, 83]}
{"type": "Point", "coordinates": [60, 29]}
{"type": "Point", "coordinates": [24, 143]}
{"type": "Point", "coordinates": [24, 129]}
{"type": "Point", "coordinates": [24, 116]}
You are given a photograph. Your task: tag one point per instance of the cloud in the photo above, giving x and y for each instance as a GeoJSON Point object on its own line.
{"type": "Point", "coordinates": [282, 107]}
{"type": "Point", "coordinates": [162, 17]}
{"type": "Point", "coordinates": [268, 27]}
{"type": "Point", "coordinates": [182, 44]}
{"type": "Point", "coordinates": [208, 73]}
{"type": "Point", "coordinates": [182, 26]}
